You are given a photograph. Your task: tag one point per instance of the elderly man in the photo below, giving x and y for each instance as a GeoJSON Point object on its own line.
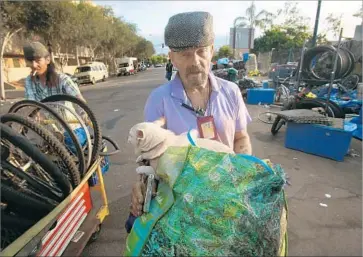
{"type": "Point", "coordinates": [196, 99]}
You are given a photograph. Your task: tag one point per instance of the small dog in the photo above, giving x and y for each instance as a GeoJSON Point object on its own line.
{"type": "Point", "coordinates": [150, 141]}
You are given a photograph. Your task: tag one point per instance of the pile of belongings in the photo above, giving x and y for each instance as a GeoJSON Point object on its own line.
{"type": "Point", "coordinates": [213, 204]}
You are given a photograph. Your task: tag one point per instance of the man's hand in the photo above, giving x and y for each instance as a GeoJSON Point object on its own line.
{"type": "Point", "coordinates": [138, 195]}
{"type": "Point", "coordinates": [242, 143]}
{"type": "Point", "coordinates": [137, 201]}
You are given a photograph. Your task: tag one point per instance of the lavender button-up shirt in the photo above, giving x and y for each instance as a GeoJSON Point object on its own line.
{"type": "Point", "coordinates": [226, 105]}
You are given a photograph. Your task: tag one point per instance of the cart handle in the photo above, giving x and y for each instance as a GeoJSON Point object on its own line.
{"type": "Point", "coordinates": [50, 122]}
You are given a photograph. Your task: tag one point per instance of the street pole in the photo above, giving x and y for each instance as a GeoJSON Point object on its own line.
{"type": "Point", "coordinates": [234, 41]}
{"type": "Point", "coordinates": [2, 82]}
{"type": "Point", "coordinates": [316, 24]}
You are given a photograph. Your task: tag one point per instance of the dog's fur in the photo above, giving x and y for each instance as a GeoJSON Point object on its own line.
{"type": "Point", "coordinates": [150, 141]}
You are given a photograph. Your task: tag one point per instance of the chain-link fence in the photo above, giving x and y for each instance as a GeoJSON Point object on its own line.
{"type": "Point", "coordinates": [265, 60]}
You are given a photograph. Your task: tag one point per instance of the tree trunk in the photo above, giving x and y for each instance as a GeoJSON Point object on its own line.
{"type": "Point", "coordinates": [5, 41]}
{"type": "Point", "coordinates": [60, 58]}
{"type": "Point", "coordinates": [77, 57]}
{"type": "Point", "coordinates": [115, 65]}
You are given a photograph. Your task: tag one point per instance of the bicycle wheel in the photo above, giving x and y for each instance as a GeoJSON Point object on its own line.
{"type": "Point", "coordinates": [267, 117]}
{"type": "Point", "coordinates": [22, 202]}
{"type": "Point", "coordinates": [76, 149]}
{"type": "Point", "coordinates": [315, 103]}
{"type": "Point", "coordinates": [96, 128]}
{"type": "Point", "coordinates": [82, 131]}
{"type": "Point", "coordinates": [350, 82]}
{"type": "Point", "coordinates": [338, 112]}
{"type": "Point", "coordinates": [21, 143]}
{"type": "Point", "coordinates": [33, 183]}
{"type": "Point", "coordinates": [278, 123]}
{"type": "Point", "coordinates": [52, 146]}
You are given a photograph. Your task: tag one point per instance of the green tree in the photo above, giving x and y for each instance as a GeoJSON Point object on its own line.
{"type": "Point", "coordinates": [68, 26]}
{"type": "Point", "coordinates": [144, 49]}
{"type": "Point", "coordinates": [225, 51]}
{"type": "Point", "coordinates": [54, 21]}
{"type": "Point", "coordinates": [253, 19]}
{"type": "Point", "coordinates": [280, 37]}
{"type": "Point", "coordinates": [334, 23]}
{"type": "Point", "coordinates": [13, 18]}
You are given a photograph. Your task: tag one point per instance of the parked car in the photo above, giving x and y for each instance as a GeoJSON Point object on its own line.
{"type": "Point", "coordinates": [91, 72]}
{"type": "Point", "coordinates": [281, 70]}
{"type": "Point", "coordinates": [158, 65]}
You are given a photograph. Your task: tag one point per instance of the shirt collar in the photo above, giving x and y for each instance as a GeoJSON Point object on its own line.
{"type": "Point", "coordinates": [177, 89]}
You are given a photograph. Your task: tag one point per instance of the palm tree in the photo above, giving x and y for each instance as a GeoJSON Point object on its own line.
{"type": "Point", "coordinates": [252, 19]}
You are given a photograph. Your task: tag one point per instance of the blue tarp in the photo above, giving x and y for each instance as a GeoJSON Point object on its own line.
{"type": "Point", "coordinates": [246, 57]}
{"type": "Point", "coordinates": [223, 61]}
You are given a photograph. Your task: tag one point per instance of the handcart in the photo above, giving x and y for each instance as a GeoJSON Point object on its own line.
{"type": "Point", "coordinates": [70, 226]}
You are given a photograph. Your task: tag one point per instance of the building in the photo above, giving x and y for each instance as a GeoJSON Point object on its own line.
{"type": "Point", "coordinates": [244, 40]}
{"type": "Point", "coordinates": [358, 33]}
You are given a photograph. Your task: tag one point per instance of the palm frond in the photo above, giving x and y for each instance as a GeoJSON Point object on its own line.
{"type": "Point", "coordinates": [239, 20]}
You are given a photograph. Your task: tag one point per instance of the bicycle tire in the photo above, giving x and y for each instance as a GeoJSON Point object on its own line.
{"type": "Point", "coordinates": [355, 84]}
{"type": "Point", "coordinates": [52, 141]}
{"type": "Point", "coordinates": [36, 155]}
{"type": "Point", "coordinates": [278, 123]}
{"type": "Point", "coordinates": [25, 202]}
{"type": "Point", "coordinates": [15, 221]}
{"type": "Point", "coordinates": [83, 125]}
{"type": "Point", "coordinates": [33, 182]}
{"type": "Point", "coordinates": [96, 128]}
{"type": "Point", "coordinates": [313, 103]}
{"type": "Point", "coordinates": [24, 103]}
{"type": "Point", "coordinates": [338, 111]}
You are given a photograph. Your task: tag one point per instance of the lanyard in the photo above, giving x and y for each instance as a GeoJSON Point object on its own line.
{"type": "Point", "coordinates": [199, 111]}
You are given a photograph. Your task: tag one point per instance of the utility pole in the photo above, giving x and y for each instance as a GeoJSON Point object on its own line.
{"type": "Point", "coordinates": [316, 24]}
{"type": "Point", "coordinates": [234, 40]}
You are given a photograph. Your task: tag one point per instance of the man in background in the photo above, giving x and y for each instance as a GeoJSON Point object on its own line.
{"type": "Point", "coordinates": [169, 70]}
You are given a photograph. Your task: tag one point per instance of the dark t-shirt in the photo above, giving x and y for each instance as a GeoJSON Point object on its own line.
{"type": "Point", "coordinates": [169, 67]}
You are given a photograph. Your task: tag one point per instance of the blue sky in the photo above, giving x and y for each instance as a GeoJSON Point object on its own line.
{"type": "Point", "coordinates": [152, 16]}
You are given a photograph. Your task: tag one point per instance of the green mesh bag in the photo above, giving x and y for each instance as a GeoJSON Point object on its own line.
{"type": "Point", "coordinates": [213, 204]}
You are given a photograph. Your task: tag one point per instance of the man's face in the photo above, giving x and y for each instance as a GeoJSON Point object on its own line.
{"type": "Point", "coordinates": [193, 64]}
{"type": "Point", "coordinates": [39, 65]}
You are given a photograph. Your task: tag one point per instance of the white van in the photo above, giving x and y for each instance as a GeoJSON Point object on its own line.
{"type": "Point", "coordinates": [91, 72]}
{"type": "Point", "coordinates": [126, 66]}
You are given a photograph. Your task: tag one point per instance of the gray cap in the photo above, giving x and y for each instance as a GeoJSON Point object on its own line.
{"type": "Point", "coordinates": [35, 50]}
{"type": "Point", "coordinates": [189, 29]}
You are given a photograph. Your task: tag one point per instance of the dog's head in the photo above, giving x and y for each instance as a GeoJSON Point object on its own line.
{"type": "Point", "coordinates": [145, 136]}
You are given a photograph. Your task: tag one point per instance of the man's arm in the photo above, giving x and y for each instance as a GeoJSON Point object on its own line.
{"type": "Point", "coordinates": [154, 109]}
{"type": "Point", "coordinates": [242, 142]}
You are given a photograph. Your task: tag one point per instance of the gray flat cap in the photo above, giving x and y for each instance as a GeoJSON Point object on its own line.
{"type": "Point", "coordinates": [35, 50]}
{"type": "Point", "coordinates": [189, 29]}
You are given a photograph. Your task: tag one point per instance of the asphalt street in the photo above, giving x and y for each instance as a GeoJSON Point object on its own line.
{"type": "Point", "coordinates": [313, 229]}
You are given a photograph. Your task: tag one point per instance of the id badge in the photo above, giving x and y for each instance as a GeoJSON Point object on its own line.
{"type": "Point", "coordinates": [206, 127]}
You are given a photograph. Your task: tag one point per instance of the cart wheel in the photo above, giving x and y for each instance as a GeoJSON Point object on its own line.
{"type": "Point", "coordinates": [95, 234]}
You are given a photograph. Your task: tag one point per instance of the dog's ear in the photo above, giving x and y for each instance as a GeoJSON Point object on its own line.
{"type": "Point", "coordinates": [140, 134]}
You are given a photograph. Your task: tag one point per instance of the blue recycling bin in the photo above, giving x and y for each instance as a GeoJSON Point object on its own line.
{"type": "Point", "coordinates": [260, 95]}
{"type": "Point", "coordinates": [320, 140]}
